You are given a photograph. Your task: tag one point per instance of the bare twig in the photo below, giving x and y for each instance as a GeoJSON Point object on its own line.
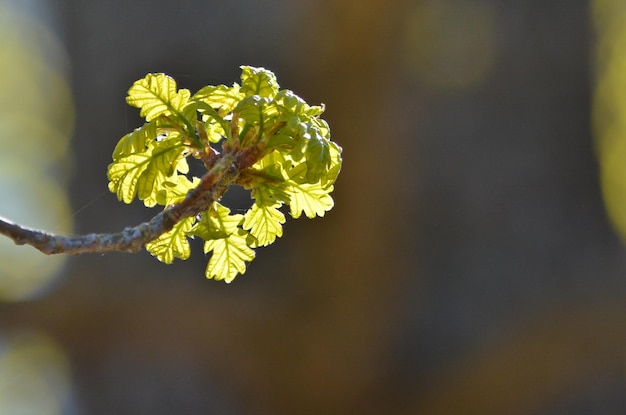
{"type": "Point", "coordinates": [132, 239]}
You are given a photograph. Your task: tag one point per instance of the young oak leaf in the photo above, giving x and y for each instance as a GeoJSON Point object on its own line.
{"type": "Point", "coordinates": [156, 95]}
{"type": "Point", "coordinates": [292, 105]}
{"type": "Point", "coordinates": [135, 141]}
{"type": "Point", "coordinates": [215, 131]}
{"type": "Point", "coordinates": [141, 174]}
{"type": "Point", "coordinates": [124, 174]}
{"type": "Point", "coordinates": [317, 156]}
{"type": "Point", "coordinates": [297, 164]}
{"type": "Point", "coordinates": [226, 240]}
{"type": "Point", "coordinates": [166, 161]}
{"type": "Point", "coordinates": [335, 165]}
{"type": "Point", "coordinates": [258, 81]}
{"type": "Point", "coordinates": [323, 169]}
{"type": "Point", "coordinates": [264, 223]}
{"type": "Point", "coordinates": [229, 256]}
{"type": "Point", "coordinates": [312, 199]}
{"type": "Point", "coordinates": [275, 165]}
{"type": "Point", "coordinates": [172, 244]}
{"type": "Point", "coordinates": [256, 110]}
{"type": "Point", "coordinates": [175, 189]}
{"type": "Point", "coordinates": [221, 98]}
{"type": "Point", "coordinates": [216, 223]}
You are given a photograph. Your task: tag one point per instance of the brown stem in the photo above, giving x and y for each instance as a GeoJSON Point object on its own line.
{"type": "Point", "coordinates": [132, 239]}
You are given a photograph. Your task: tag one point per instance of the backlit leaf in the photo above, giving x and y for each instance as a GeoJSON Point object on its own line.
{"type": "Point", "coordinates": [229, 256]}
{"type": "Point", "coordinates": [216, 223]}
{"type": "Point", "coordinates": [172, 244]}
{"type": "Point", "coordinates": [292, 105]}
{"type": "Point", "coordinates": [142, 174]}
{"type": "Point", "coordinates": [250, 108]}
{"type": "Point", "coordinates": [317, 156]}
{"type": "Point", "coordinates": [124, 174]}
{"type": "Point", "coordinates": [335, 164]}
{"type": "Point", "coordinates": [274, 165]}
{"type": "Point", "coordinates": [258, 81]}
{"type": "Point", "coordinates": [163, 164]}
{"type": "Point", "coordinates": [156, 95]}
{"type": "Point", "coordinates": [175, 189]}
{"type": "Point", "coordinates": [311, 199]}
{"type": "Point", "coordinates": [135, 141]}
{"type": "Point", "coordinates": [222, 98]}
{"type": "Point", "coordinates": [264, 223]}
{"type": "Point", "coordinates": [279, 144]}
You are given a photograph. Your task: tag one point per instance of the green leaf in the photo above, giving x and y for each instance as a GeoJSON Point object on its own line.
{"type": "Point", "coordinates": [142, 174]}
{"type": "Point", "coordinates": [274, 165]}
{"type": "Point", "coordinates": [174, 191]}
{"type": "Point", "coordinates": [163, 164]}
{"type": "Point", "coordinates": [222, 98]}
{"type": "Point", "coordinates": [229, 256]}
{"type": "Point", "coordinates": [270, 194]}
{"type": "Point", "coordinates": [263, 219]}
{"type": "Point", "coordinates": [312, 199]}
{"type": "Point", "coordinates": [317, 156]}
{"type": "Point", "coordinates": [172, 244]}
{"type": "Point", "coordinates": [314, 110]}
{"type": "Point", "coordinates": [250, 108]}
{"type": "Point", "coordinates": [283, 139]}
{"type": "Point", "coordinates": [156, 95]}
{"type": "Point", "coordinates": [335, 164]}
{"type": "Point", "coordinates": [264, 223]}
{"type": "Point", "coordinates": [216, 223]}
{"type": "Point", "coordinates": [256, 110]}
{"type": "Point", "coordinates": [258, 81]}
{"type": "Point", "coordinates": [314, 159]}
{"type": "Point", "coordinates": [321, 127]}
{"type": "Point", "coordinates": [125, 173]}
{"type": "Point", "coordinates": [296, 172]}
{"type": "Point", "coordinates": [228, 242]}
{"type": "Point", "coordinates": [215, 131]}
{"type": "Point", "coordinates": [136, 141]}
{"type": "Point", "coordinates": [211, 118]}
{"type": "Point", "coordinates": [292, 105]}
{"type": "Point", "coordinates": [295, 162]}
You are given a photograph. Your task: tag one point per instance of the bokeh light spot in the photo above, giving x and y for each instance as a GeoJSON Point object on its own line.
{"type": "Point", "coordinates": [34, 376]}
{"type": "Point", "coordinates": [36, 123]}
{"type": "Point", "coordinates": [609, 107]}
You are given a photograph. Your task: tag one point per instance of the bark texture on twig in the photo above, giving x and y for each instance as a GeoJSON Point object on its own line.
{"type": "Point", "coordinates": [132, 239]}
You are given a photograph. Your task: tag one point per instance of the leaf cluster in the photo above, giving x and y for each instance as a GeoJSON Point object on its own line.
{"type": "Point", "coordinates": [281, 149]}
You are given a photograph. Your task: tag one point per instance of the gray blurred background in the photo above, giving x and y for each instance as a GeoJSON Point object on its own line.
{"type": "Point", "coordinates": [468, 267]}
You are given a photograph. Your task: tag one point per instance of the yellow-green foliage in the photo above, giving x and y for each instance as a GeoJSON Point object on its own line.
{"type": "Point", "coordinates": [282, 150]}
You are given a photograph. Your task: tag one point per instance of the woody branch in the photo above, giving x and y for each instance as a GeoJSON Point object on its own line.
{"type": "Point", "coordinates": [132, 239]}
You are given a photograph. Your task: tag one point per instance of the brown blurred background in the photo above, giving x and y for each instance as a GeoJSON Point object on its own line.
{"type": "Point", "coordinates": [469, 265]}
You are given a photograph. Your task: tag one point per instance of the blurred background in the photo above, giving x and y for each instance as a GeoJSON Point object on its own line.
{"type": "Point", "coordinates": [474, 260]}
